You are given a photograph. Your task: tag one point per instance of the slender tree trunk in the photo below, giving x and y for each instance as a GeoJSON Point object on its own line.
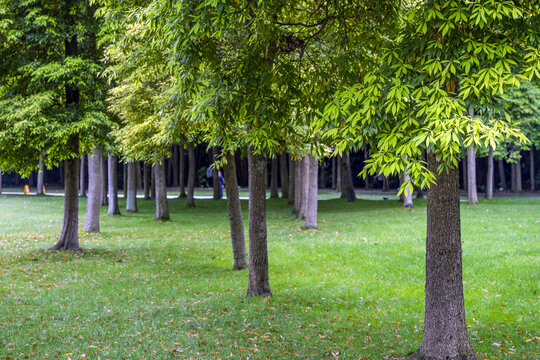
{"type": "Point", "coordinates": [311, 209]}
{"type": "Point", "coordinates": [82, 185]}
{"type": "Point", "coordinates": [191, 176]}
{"type": "Point", "coordinates": [112, 163]}
{"type": "Point", "coordinates": [490, 175]}
{"type": "Point", "coordinates": [323, 174]}
{"type": "Point", "coordinates": [274, 192]}
{"type": "Point", "coordinates": [215, 175]}
{"type": "Point", "coordinates": [334, 173]}
{"type": "Point", "coordinates": [181, 171]}
{"type": "Point", "coordinates": [304, 187]}
{"type": "Point", "coordinates": [519, 182]}
{"type": "Point", "coordinates": [93, 201]}
{"type": "Point", "coordinates": [531, 169]}
{"type": "Point", "coordinates": [445, 329]}
{"type": "Point", "coordinates": [502, 175]}
{"type": "Point", "coordinates": [236, 222]}
{"type": "Point", "coordinates": [146, 181]}
{"type": "Point", "coordinates": [258, 284]}
{"type": "Point", "coordinates": [103, 164]}
{"type": "Point", "coordinates": [40, 178]}
{"type": "Point", "coordinates": [292, 180]}
{"type": "Point", "coordinates": [465, 177]}
{"type": "Point", "coordinates": [131, 200]}
{"type": "Point", "coordinates": [347, 189]}
{"type": "Point", "coordinates": [513, 185]}
{"type": "Point", "coordinates": [472, 194]}
{"type": "Point", "coordinates": [162, 207]}
{"type": "Point", "coordinates": [174, 160]}
{"type": "Point", "coordinates": [152, 182]}
{"type": "Point", "coordinates": [297, 186]}
{"type": "Point", "coordinates": [385, 184]}
{"type": "Point", "coordinates": [284, 176]}
{"type": "Point", "coordinates": [339, 160]}
{"type": "Point", "coordinates": [407, 199]}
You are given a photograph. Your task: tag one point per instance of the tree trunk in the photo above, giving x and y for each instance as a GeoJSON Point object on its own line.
{"type": "Point", "coordinates": [124, 178]}
{"type": "Point", "coordinates": [338, 174]}
{"type": "Point", "coordinates": [284, 176]}
{"type": "Point", "coordinates": [162, 207]}
{"type": "Point", "coordinates": [152, 182]}
{"type": "Point", "coordinates": [258, 284]}
{"type": "Point", "coordinates": [238, 239]}
{"type": "Point", "coordinates": [113, 185]}
{"type": "Point", "coordinates": [490, 175]}
{"type": "Point", "coordinates": [334, 173]}
{"type": "Point", "coordinates": [502, 175]}
{"type": "Point", "coordinates": [445, 329]}
{"type": "Point", "coordinates": [531, 169]}
{"type": "Point", "coordinates": [174, 160]}
{"type": "Point", "coordinates": [69, 237]}
{"type": "Point", "coordinates": [519, 183]}
{"type": "Point", "coordinates": [274, 192]}
{"type": "Point", "coordinates": [146, 181]}
{"type": "Point", "coordinates": [103, 164]}
{"type": "Point", "coordinates": [181, 172]}
{"type": "Point", "coordinates": [347, 189]}
{"type": "Point", "coordinates": [304, 187]}
{"type": "Point", "coordinates": [215, 176]}
{"type": "Point", "coordinates": [138, 175]}
{"type": "Point", "coordinates": [311, 208]}
{"type": "Point", "coordinates": [472, 194]}
{"type": "Point", "coordinates": [93, 201]}
{"type": "Point", "coordinates": [297, 186]}
{"type": "Point", "coordinates": [513, 182]}
{"type": "Point", "coordinates": [40, 178]}
{"type": "Point", "coordinates": [131, 200]}
{"type": "Point", "coordinates": [82, 185]}
{"type": "Point", "coordinates": [191, 176]}
{"type": "Point", "coordinates": [292, 180]}
{"type": "Point", "coordinates": [385, 184]}
{"type": "Point", "coordinates": [407, 199]}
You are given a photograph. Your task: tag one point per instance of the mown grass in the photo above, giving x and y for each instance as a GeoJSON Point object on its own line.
{"type": "Point", "coordinates": [352, 289]}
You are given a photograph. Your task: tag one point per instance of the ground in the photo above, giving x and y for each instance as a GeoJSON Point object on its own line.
{"type": "Point", "coordinates": [353, 289]}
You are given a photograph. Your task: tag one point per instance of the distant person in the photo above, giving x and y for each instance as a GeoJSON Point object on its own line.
{"type": "Point", "coordinates": [221, 183]}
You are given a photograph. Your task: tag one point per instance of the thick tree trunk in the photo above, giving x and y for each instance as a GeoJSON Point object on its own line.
{"type": "Point", "coordinates": [311, 208]}
{"type": "Point", "coordinates": [82, 177]}
{"type": "Point", "coordinates": [238, 239]}
{"type": "Point", "coordinates": [69, 237]}
{"type": "Point", "coordinates": [146, 181]}
{"type": "Point", "coordinates": [258, 284]}
{"type": "Point", "coordinates": [112, 163]}
{"type": "Point", "coordinates": [131, 200]}
{"type": "Point", "coordinates": [103, 164]}
{"type": "Point", "coordinates": [93, 201]}
{"type": "Point", "coordinates": [40, 178]}
{"type": "Point", "coordinates": [162, 207]}
{"type": "Point", "coordinates": [445, 329]}
{"type": "Point", "coordinates": [502, 175]}
{"type": "Point", "coordinates": [292, 181]}
{"type": "Point", "coordinates": [334, 173]}
{"type": "Point", "coordinates": [490, 175]}
{"type": "Point", "coordinates": [338, 174]}
{"type": "Point", "coordinates": [304, 187]}
{"type": "Point", "coordinates": [181, 171]}
{"type": "Point", "coordinates": [284, 176]}
{"type": "Point", "coordinates": [174, 160]}
{"type": "Point", "coordinates": [472, 194]}
{"type": "Point", "coordinates": [531, 169]}
{"type": "Point", "coordinates": [519, 182]}
{"type": "Point", "coordinates": [274, 192]}
{"type": "Point", "coordinates": [190, 201]}
{"type": "Point", "coordinates": [407, 199]}
{"type": "Point", "coordinates": [347, 189]}
{"type": "Point", "coordinates": [297, 186]}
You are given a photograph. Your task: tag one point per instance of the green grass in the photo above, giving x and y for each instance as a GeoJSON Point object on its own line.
{"type": "Point", "coordinates": [353, 289]}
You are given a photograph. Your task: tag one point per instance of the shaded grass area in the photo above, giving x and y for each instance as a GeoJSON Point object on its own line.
{"type": "Point", "coordinates": [353, 289]}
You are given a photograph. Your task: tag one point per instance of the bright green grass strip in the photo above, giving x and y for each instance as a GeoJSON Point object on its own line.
{"type": "Point", "coordinates": [351, 289]}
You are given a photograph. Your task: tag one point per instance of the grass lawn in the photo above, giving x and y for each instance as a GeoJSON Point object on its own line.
{"type": "Point", "coordinates": [353, 289]}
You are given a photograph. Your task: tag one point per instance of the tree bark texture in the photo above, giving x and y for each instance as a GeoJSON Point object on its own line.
{"type": "Point", "coordinates": [40, 178]}
{"type": "Point", "coordinates": [445, 329]}
{"type": "Point", "coordinates": [258, 284]}
{"type": "Point", "coordinates": [311, 201]}
{"type": "Point", "coordinates": [103, 164]}
{"type": "Point", "coordinates": [519, 182]}
{"type": "Point", "coordinates": [162, 207]}
{"type": "Point", "coordinates": [292, 181]}
{"type": "Point", "coordinates": [91, 223]}
{"type": "Point", "coordinates": [472, 194]}
{"type": "Point", "coordinates": [112, 173]}
{"type": "Point", "coordinates": [82, 177]}
{"type": "Point", "coordinates": [146, 181]}
{"type": "Point", "coordinates": [304, 187]}
{"type": "Point", "coordinates": [531, 169]}
{"type": "Point", "coordinates": [215, 175]}
{"type": "Point", "coordinates": [181, 171]}
{"type": "Point", "coordinates": [502, 175]}
{"type": "Point", "coordinates": [297, 186]}
{"type": "Point", "coordinates": [274, 192]}
{"type": "Point", "coordinates": [347, 189]}
{"type": "Point", "coordinates": [131, 200]}
{"type": "Point", "coordinates": [284, 173]}
{"type": "Point", "coordinates": [490, 175]}
{"type": "Point", "coordinates": [190, 201]}
{"type": "Point", "coordinates": [236, 222]}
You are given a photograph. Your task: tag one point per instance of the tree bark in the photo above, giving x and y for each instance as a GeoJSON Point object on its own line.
{"type": "Point", "coordinates": [93, 201]}
{"type": "Point", "coordinates": [40, 178]}
{"type": "Point", "coordinates": [103, 164]}
{"type": "Point", "coordinates": [292, 180]}
{"type": "Point", "coordinates": [513, 182]}
{"type": "Point", "coordinates": [284, 176]}
{"type": "Point", "coordinates": [131, 200]}
{"type": "Point", "coordinates": [146, 181]}
{"type": "Point", "coordinates": [113, 185]}
{"type": "Point", "coordinates": [69, 237]}
{"type": "Point", "coordinates": [236, 222]}
{"type": "Point", "coordinates": [304, 187]}
{"type": "Point", "coordinates": [472, 194]}
{"type": "Point", "coordinates": [152, 182]}
{"type": "Point", "coordinates": [297, 186]}
{"type": "Point", "coordinates": [347, 189]}
{"type": "Point", "coordinates": [82, 185]}
{"type": "Point", "coordinates": [407, 199]}
{"type": "Point", "coordinates": [311, 208]}
{"type": "Point", "coordinates": [258, 284]}
{"type": "Point", "coordinates": [445, 329]}
{"type": "Point", "coordinates": [531, 169]}
{"type": "Point", "coordinates": [502, 175]}
{"type": "Point", "coordinates": [490, 175]}
{"type": "Point", "coordinates": [181, 171]}
{"type": "Point", "coordinates": [274, 192]}
{"type": "Point", "coordinates": [215, 176]}
{"type": "Point", "coordinates": [190, 201]}
{"type": "Point", "coordinates": [125, 178]}
{"type": "Point", "coordinates": [162, 207]}
{"type": "Point", "coordinates": [519, 182]}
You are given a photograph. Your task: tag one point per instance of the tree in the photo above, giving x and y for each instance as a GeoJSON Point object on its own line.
{"type": "Point", "coordinates": [94, 192]}
{"type": "Point", "coordinates": [162, 208]}
{"type": "Point", "coordinates": [112, 164]}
